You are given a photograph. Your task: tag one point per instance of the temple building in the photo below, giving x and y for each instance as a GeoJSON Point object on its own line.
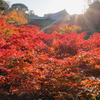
{"type": "Point", "coordinates": [48, 20]}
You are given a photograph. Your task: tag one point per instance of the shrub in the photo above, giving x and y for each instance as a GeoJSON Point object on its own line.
{"type": "Point", "coordinates": [49, 67]}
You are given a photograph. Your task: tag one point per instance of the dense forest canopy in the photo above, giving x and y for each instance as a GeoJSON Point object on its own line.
{"type": "Point", "coordinates": [58, 63]}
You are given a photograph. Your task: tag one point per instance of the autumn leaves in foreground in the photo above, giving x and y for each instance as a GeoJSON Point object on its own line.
{"type": "Point", "coordinates": [55, 66]}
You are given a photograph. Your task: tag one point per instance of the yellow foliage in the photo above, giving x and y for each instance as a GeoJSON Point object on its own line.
{"type": "Point", "coordinates": [16, 17]}
{"type": "Point", "coordinates": [65, 28]}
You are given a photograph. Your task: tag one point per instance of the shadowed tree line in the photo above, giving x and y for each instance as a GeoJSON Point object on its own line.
{"type": "Point", "coordinates": [17, 6]}
{"type": "Point", "coordinates": [89, 21]}
{"type": "Point", "coordinates": [16, 14]}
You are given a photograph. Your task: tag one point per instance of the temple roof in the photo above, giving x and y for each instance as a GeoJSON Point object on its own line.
{"type": "Point", "coordinates": [59, 15]}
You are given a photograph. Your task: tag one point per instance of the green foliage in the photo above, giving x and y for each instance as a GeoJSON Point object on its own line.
{"type": "Point", "coordinates": [4, 6]}
{"type": "Point", "coordinates": [19, 6]}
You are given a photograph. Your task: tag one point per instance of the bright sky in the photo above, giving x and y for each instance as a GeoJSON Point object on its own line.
{"type": "Point", "coordinates": [41, 7]}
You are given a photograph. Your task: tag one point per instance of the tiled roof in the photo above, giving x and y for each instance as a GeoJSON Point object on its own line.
{"type": "Point", "coordinates": [55, 16]}
{"type": "Point", "coordinates": [59, 15]}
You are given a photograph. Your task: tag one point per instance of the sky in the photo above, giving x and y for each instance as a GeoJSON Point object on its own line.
{"type": "Point", "coordinates": [41, 7]}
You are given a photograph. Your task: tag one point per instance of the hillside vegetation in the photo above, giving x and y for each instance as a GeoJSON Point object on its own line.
{"type": "Point", "coordinates": [60, 65]}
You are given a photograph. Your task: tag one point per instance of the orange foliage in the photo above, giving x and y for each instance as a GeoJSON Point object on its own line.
{"type": "Point", "coordinates": [49, 67]}
{"type": "Point", "coordinates": [63, 29]}
{"type": "Point", "coordinates": [15, 17]}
